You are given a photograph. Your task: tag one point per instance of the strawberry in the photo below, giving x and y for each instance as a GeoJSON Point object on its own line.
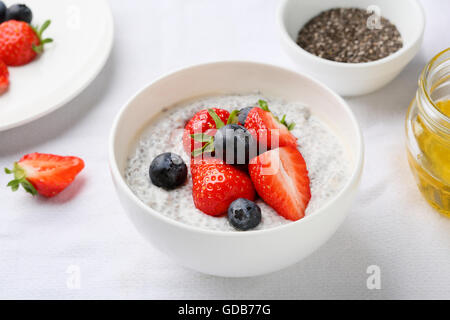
{"type": "Point", "coordinates": [267, 129]}
{"type": "Point", "coordinates": [217, 184]}
{"type": "Point", "coordinates": [20, 43]}
{"type": "Point", "coordinates": [281, 179]}
{"type": "Point", "coordinates": [4, 77]}
{"type": "Point", "coordinates": [203, 122]}
{"type": "Point", "coordinates": [44, 174]}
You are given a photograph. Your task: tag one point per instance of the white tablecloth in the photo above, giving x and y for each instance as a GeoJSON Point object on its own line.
{"type": "Point", "coordinates": [81, 244]}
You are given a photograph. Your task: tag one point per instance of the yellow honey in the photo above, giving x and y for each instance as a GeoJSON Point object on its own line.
{"type": "Point", "coordinates": [432, 169]}
{"type": "Point", "coordinates": [428, 133]}
{"type": "Point", "coordinates": [444, 107]}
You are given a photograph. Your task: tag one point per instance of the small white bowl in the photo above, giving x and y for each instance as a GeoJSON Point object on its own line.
{"type": "Point", "coordinates": [235, 254]}
{"type": "Point", "coordinates": [352, 79]}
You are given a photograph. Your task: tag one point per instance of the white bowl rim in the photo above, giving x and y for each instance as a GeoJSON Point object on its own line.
{"type": "Point", "coordinates": [120, 181]}
{"type": "Point", "coordinates": [285, 36]}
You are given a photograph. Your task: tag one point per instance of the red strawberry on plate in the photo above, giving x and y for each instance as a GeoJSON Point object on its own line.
{"type": "Point", "coordinates": [281, 179]}
{"type": "Point", "coordinates": [267, 129]}
{"type": "Point", "coordinates": [203, 122]}
{"type": "Point", "coordinates": [4, 77]}
{"type": "Point", "coordinates": [217, 184]}
{"type": "Point", "coordinates": [44, 174]}
{"type": "Point", "coordinates": [20, 43]}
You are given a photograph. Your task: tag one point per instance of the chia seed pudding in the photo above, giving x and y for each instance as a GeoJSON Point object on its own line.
{"type": "Point", "coordinates": [324, 155]}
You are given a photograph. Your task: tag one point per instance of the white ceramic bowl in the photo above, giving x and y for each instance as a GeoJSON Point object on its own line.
{"type": "Point", "coordinates": [235, 254]}
{"type": "Point", "coordinates": [352, 79]}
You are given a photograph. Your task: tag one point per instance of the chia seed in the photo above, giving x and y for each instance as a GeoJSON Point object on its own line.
{"type": "Point", "coordinates": [343, 35]}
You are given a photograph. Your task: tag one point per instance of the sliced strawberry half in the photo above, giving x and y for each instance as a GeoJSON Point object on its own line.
{"type": "Point", "coordinates": [267, 129]}
{"type": "Point", "coordinates": [280, 177]}
{"type": "Point", "coordinates": [44, 174]}
{"type": "Point", "coordinates": [4, 77]}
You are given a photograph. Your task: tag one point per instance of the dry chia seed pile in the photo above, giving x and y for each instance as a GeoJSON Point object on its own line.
{"type": "Point", "coordinates": [342, 35]}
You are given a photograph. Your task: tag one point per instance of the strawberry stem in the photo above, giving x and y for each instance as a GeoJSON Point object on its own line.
{"type": "Point", "coordinates": [39, 32]}
{"type": "Point", "coordinates": [20, 180]}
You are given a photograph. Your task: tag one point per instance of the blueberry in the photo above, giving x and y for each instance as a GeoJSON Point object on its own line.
{"type": "Point", "coordinates": [234, 144]}
{"type": "Point", "coordinates": [243, 113]}
{"type": "Point", "coordinates": [19, 12]}
{"type": "Point", "coordinates": [244, 214]}
{"type": "Point", "coordinates": [168, 171]}
{"type": "Point", "coordinates": [3, 10]}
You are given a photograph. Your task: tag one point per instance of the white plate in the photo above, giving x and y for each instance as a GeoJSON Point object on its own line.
{"type": "Point", "coordinates": [83, 35]}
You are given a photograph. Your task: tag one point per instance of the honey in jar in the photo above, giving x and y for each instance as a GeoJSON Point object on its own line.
{"type": "Point", "coordinates": [428, 133]}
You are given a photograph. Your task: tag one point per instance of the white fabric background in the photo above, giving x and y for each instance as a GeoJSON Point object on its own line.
{"type": "Point", "coordinates": [390, 225]}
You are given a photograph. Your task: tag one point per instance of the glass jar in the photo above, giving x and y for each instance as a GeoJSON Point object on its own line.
{"type": "Point", "coordinates": [428, 133]}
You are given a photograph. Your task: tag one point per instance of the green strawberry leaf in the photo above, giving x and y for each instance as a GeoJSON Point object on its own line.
{"type": "Point", "coordinates": [233, 118]}
{"type": "Point", "coordinates": [263, 105]}
{"type": "Point", "coordinates": [28, 187]}
{"type": "Point", "coordinates": [202, 137]}
{"type": "Point", "coordinates": [14, 184]}
{"type": "Point", "coordinates": [47, 41]}
{"type": "Point", "coordinates": [20, 180]}
{"type": "Point", "coordinates": [290, 126]}
{"type": "Point", "coordinates": [207, 148]}
{"type": "Point", "coordinates": [39, 32]}
{"type": "Point", "coordinates": [197, 152]}
{"type": "Point", "coordinates": [217, 120]}
{"type": "Point", "coordinates": [44, 27]}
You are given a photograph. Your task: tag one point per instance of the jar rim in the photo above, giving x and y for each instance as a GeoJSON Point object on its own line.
{"type": "Point", "coordinates": [423, 82]}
